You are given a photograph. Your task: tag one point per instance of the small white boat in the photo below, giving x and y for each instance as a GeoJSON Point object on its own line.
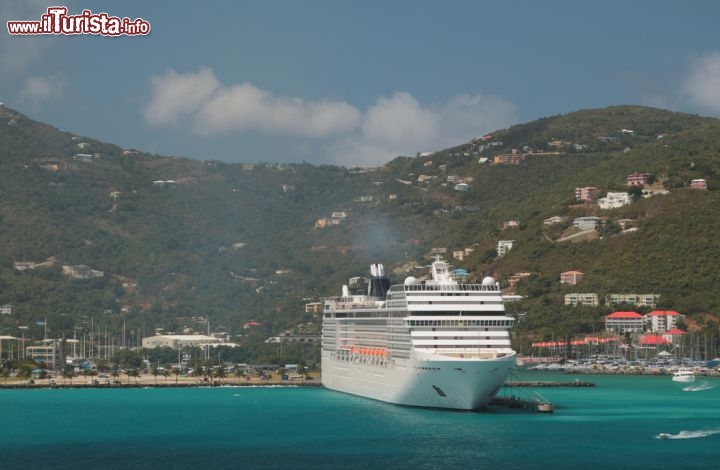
{"type": "Point", "coordinates": [684, 375]}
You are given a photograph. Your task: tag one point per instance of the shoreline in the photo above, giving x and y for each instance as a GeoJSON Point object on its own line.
{"type": "Point", "coordinates": [150, 381]}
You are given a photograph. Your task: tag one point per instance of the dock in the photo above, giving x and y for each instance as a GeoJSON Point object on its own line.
{"type": "Point", "coordinates": [520, 405]}
{"type": "Point", "coordinates": [547, 383]}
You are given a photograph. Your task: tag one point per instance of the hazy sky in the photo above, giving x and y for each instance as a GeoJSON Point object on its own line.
{"type": "Point", "coordinates": [353, 82]}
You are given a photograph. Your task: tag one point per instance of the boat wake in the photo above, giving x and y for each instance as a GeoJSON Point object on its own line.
{"type": "Point", "coordinates": [688, 434]}
{"type": "Point", "coordinates": [698, 387]}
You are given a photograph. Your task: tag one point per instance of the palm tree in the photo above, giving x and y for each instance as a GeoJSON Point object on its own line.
{"type": "Point", "coordinates": [219, 373]}
{"type": "Point", "coordinates": [68, 373]}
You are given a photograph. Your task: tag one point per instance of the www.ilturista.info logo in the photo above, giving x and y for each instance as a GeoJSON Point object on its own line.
{"type": "Point", "coordinates": [57, 21]}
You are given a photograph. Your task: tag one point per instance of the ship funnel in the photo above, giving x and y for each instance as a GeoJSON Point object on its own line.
{"type": "Point", "coordinates": [379, 283]}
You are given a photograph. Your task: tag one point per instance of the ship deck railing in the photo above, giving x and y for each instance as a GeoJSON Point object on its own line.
{"type": "Point", "coordinates": [450, 288]}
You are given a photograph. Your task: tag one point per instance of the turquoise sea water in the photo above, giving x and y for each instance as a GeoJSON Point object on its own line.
{"type": "Point", "coordinates": [611, 426]}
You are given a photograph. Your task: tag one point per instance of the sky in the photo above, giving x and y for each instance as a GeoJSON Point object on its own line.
{"type": "Point", "coordinates": [353, 82]}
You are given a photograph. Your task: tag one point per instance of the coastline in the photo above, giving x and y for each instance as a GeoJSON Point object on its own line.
{"type": "Point", "coordinates": [150, 381]}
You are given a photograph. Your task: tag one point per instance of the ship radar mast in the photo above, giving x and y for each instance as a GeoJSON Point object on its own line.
{"type": "Point", "coordinates": [441, 273]}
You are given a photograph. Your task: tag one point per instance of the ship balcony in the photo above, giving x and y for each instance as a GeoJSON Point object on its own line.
{"type": "Point", "coordinates": [486, 354]}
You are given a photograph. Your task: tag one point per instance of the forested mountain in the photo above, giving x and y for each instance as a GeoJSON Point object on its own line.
{"type": "Point", "coordinates": [178, 239]}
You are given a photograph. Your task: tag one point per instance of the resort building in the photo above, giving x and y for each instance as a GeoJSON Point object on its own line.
{"type": "Point", "coordinates": [639, 300]}
{"type": "Point", "coordinates": [662, 320]}
{"type": "Point", "coordinates": [588, 300]}
{"type": "Point", "coordinates": [624, 322]}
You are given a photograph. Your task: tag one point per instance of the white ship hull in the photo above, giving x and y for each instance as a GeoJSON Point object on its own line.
{"type": "Point", "coordinates": [462, 384]}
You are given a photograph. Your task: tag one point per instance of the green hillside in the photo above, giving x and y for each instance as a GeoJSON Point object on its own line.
{"type": "Point", "coordinates": [178, 239]}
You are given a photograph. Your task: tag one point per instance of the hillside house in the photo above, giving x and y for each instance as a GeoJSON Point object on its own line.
{"type": "Point", "coordinates": [586, 223]}
{"type": "Point", "coordinates": [512, 223]}
{"type": "Point", "coordinates": [6, 309]}
{"type": "Point", "coordinates": [698, 184]}
{"type": "Point", "coordinates": [81, 272]}
{"type": "Point", "coordinates": [587, 194]}
{"type": "Point", "coordinates": [23, 265]}
{"type": "Point", "coordinates": [509, 159]}
{"type": "Point", "coordinates": [571, 277]}
{"type": "Point", "coordinates": [325, 222]}
{"type": "Point", "coordinates": [517, 277]}
{"type": "Point", "coordinates": [556, 219]}
{"type": "Point", "coordinates": [587, 299]}
{"type": "Point", "coordinates": [638, 179]}
{"type": "Point", "coordinates": [462, 187]}
{"type": "Point", "coordinates": [614, 200]}
{"type": "Point", "coordinates": [83, 157]}
{"type": "Point", "coordinates": [314, 307]}
{"type": "Point", "coordinates": [624, 322]}
{"type": "Point", "coordinates": [503, 246]}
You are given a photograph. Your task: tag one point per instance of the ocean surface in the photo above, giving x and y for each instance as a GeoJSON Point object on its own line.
{"type": "Point", "coordinates": [614, 425]}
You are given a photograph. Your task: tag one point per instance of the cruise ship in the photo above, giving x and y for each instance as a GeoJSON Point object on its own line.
{"type": "Point", "coordinates": [436, 343]}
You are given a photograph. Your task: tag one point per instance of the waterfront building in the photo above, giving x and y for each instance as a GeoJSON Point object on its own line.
{"type": "Point", "coordinates": [624, 322]}
{"type": "Point", "coordinates": [662, 320]}
{"type": "Point", "coordinates": [182, 341]}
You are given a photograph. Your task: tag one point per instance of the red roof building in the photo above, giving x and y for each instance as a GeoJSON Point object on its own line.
{"type": "Point", "coordinates": [654, 340]}
{"type": "Point", "coordinates": [624, 322]}
{"type": "Point", "coordinates": [660, 321]}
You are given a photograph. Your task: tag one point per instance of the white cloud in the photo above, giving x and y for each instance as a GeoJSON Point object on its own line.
{"type": "Point", "coordinates": [18, 53]}
{"type": "Point", "coordinates": [400, 125]}
{"type": "Point", "coordinates": [176, 96]}
{"type": "Point", "coordinates": [37, 90]}
{"type": "Point", "coordinates": [702, 84]}
{"type": "Point", "coordinates": [342, 134]}
{"type": "Point", "coordinates": [216, 109]}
